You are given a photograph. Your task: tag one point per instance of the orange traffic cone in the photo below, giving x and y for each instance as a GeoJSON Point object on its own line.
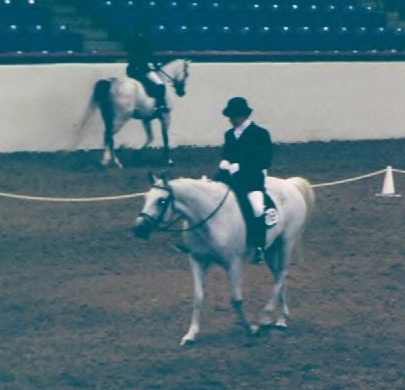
{"type": "Point", "coordinates": [388, 188]}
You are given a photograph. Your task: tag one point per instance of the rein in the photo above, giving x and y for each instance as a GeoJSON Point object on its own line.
{"type": "Point", "coordinates": [172, 80]}
{"type": "Point", "coordinates": [166, 76]}
{"type": "Point", "coordinates": [171, 200]}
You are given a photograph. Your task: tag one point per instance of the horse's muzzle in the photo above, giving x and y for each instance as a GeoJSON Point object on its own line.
{"type": "Point", "coordinates": [142, 228]}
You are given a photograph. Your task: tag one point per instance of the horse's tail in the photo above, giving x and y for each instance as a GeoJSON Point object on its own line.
{"type": "Point", "coordinates": [308, 193]}
{"type": "Point", "coordinates": [99, 98]}
{"type": "Point", "coordinates": [100, 92]}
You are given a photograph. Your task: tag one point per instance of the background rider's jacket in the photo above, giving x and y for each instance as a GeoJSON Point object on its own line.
{"type": "Point", "coordinates": [140, 56]}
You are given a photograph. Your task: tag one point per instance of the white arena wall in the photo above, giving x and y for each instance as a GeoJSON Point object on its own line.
{"type": "Point", "coordinates": [42, 105]}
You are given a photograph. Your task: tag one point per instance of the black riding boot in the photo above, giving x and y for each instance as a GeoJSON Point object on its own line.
{"type": "Point", "coordinates": [161, 104]}
{"type": "Point", "coordinates": [259, 238]}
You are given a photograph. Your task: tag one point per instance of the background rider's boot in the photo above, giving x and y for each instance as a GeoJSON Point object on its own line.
{"type": "Point", "coordinates": [161, 104]}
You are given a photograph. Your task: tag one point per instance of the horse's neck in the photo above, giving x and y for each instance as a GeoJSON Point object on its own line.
{"type": "Point", "coordinates": [196, 198]}
{"type": "Point", "coordinates": [168, 67]}
{"type": "Point", "coordinates": [171, 68]}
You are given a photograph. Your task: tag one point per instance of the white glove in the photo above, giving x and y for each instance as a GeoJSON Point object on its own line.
{"type": "Point", "coordinates": [224, 164]}
{"type": "Point", "coordinates": [233, 168]}
{"type": "Point", "coordinates": [151, 66]}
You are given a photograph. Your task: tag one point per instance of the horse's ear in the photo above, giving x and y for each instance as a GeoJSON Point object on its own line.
{"type": "Point", "coordinates": [151, 178]}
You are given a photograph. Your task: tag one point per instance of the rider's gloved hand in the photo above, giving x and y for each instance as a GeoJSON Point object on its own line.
{"type": "Point", "coordinates": [224, 164]}
{"type": "Point", "coordinates": [151, 66]}
{"type": "Point", "coordinates": [233, 168]}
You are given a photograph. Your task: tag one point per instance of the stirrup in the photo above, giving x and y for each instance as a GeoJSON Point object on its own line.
{"type": "Point", "coordinates": [271, 217]}
{"type": "Point", "coordinates": [258, 257]}
{"type": "Point", "coordinates": [163, 109]}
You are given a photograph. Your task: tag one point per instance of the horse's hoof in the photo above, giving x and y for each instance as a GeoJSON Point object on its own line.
{"type": "Point", "coordinates": [255, 331]}
{"type": "Point", "coordinates": [265, 324]}
{"type": "Point", "coordinates": [117, 164]}
{"type": "Point", "coordinates": [281, 324]}
{"type": "Point", "coordinates": [187, 341]}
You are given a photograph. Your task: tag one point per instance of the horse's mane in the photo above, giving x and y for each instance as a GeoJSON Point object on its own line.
{"type": "Point", "coordinates": [203, 181]}
{"type": "Point", "coordinates": [202, 185]}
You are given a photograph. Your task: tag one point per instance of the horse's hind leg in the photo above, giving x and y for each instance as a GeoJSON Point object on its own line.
{"type": "Point", "coordinates": [165, 124]}
{"type": "Point", "coordinates": [108, 152]}
{"type": "Point", "coordinates": [199, 272]}
{"type": "Point", "coordinates": [284, 312]}
{"type": "Point", "coordinates": [109, 148]}
{"type": "Point", "coordinates": [108, 115]}
{"type": "Point", "coordinates": [235, 280]}
{"type": "Point", "coordinates": [277, 257]}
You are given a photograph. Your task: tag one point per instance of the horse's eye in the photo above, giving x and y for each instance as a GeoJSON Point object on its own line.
{"type": "Point", "coordinates": [162, 201]}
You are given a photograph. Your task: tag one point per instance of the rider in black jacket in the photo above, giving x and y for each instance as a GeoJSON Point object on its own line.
{"type": "Point", "coordinates": [247, 153]}
{"type": "Point", "coordinates": [142, 66]}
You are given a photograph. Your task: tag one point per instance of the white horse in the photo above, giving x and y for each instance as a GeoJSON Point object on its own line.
{"type": "Point", "coordinates": [214, 232]}
{"type": "Point", "coordinates": [122, 98]}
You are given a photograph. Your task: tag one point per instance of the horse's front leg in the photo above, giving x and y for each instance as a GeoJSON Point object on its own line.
{"type": "Point", "coordinates": [165, 125]}
{"type": "Point", "coordinates": [236, 281]}
{"type": "Point", "coordinates": [147, 125]}
{"type": "Point", "coordinates": [199, 272]}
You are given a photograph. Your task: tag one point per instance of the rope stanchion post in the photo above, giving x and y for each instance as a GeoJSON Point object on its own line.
{"type": "Point", "coordinates": [388, 187]}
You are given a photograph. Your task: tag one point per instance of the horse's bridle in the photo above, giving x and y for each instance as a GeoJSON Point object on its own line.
{"type": "Point", "coordinates": [156, 222]}
{"type": "Point", "coordinates": [173, 81]}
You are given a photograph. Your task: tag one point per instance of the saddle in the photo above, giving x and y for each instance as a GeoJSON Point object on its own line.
{"type": "Point", "coordinates": [254, 226]}
{"type": "Point", "coordinates": [157, 92]}
{"type": "Point", "coordinates": [151, 89]}
{"type": "Point", "coordinates": [139, 74]}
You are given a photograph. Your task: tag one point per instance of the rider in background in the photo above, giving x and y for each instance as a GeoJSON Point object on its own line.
{"type": "Point", "coordinates": [142, 66]}
{"type": "Point", "coordinates": [246, 154]}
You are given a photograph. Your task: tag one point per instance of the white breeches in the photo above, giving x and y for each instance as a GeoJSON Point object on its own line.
{"type": "Point", "coordinates": [256, 199]}
{"type": "Point", "coordinates": [154, 77]}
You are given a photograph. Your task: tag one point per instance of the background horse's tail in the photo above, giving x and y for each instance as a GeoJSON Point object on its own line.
{"type": "Point", "coordinates": [307, 192]}
{"type": "Point", "coordinates": [99, 98]}
{"type": "Point", "coordinates": [101, 91]}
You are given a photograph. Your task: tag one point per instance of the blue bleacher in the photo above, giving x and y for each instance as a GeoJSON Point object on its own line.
{"type": "Point", "coordinates": [252, 25]}
{"type": "Point", "coordinates": [204, 25]}
{"type": "Point", "coordinates": [26, 27]}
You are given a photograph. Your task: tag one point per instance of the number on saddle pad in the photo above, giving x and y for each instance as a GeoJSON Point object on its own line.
{"type": "Point", "coordinates": [270, 217]}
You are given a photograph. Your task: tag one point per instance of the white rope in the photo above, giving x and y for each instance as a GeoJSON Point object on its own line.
{"type": "Point", "coordinates": [139, 194]}
{"type": "Point", "coordinates": [53, 199]}
{"type": "Point", "coordinates": [332, 183]}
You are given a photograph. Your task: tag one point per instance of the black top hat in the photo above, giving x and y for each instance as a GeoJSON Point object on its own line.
{"type": "Point", "coordinates": [237, 106]}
